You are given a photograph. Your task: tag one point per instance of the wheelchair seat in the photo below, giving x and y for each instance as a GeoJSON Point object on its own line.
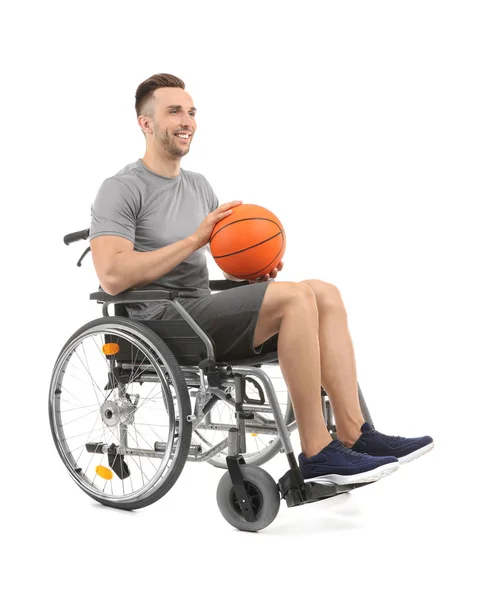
{"type": "Point", "coordinates": [178, 334]}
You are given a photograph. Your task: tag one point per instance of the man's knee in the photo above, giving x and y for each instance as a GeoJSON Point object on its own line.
{"type": "Point", "coordinates": [278, 299]}
{"type": "Point", "coordinates": [282, 293]}
{"type": "Point", "coordinates": [327, 294]}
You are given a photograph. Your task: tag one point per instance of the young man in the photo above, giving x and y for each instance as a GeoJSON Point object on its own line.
{"type": "Point", "coordinates": [151, 224]}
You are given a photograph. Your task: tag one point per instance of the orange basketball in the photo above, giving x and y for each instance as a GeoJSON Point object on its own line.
{"type": "Point", "coordinates": [248, 243]}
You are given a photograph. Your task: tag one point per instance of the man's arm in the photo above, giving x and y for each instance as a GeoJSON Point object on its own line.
{"type": "Point", "coordinates": [120, 267]}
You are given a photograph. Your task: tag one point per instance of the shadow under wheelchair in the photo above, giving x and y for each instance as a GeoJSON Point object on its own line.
{"type": "Point", "coordinates": [131, 401]}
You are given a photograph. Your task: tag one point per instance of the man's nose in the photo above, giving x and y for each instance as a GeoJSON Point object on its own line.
{"type": "Point", "coordinates": [187, 122]}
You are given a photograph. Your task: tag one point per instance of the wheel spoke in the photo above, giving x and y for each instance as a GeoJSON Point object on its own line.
{"type": "Point", "coordinates": [130, 413]}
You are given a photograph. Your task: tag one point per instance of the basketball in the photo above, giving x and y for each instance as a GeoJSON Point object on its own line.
{"type": "Point", "coordinates": [248, 243]}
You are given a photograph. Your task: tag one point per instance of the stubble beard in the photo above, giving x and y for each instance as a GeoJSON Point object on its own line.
{"type": "Point", "coordinates": [165, 142]}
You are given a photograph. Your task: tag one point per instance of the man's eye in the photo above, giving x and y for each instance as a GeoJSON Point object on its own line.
{"type": "Point", "coordinates": [191, 113]}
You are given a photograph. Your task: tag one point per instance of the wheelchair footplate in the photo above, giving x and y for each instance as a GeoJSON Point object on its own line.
{"type": "Point", "coordinates": [296, 491]}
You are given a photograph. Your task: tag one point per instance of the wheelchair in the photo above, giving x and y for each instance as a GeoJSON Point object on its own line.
{"type": "Point", "coordinates": [131, 401]}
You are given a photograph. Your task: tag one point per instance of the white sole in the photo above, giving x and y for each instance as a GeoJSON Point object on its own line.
{"type": "Point", "coordinates": [368, 476]}
{"type": "Point", "coordinates": [416, 454]}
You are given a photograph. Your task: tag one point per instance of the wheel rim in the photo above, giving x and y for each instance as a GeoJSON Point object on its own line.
{"type": "Point", "coordinates": [254, 495]}
{"type": "Point", "coordinates": [138, 420]}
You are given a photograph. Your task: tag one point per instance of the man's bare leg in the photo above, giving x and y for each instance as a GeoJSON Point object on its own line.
{"type": "Point", "coordinates": [290, 309]}
{"type": "Point", "coordinates": [338, 368]}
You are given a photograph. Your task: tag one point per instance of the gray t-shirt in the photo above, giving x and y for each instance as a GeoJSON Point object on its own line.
{"type": "Point", "coordinates": [152, 212]}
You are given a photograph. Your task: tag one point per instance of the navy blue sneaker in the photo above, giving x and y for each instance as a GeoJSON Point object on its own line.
{"type": "Point", "coordinates": [374, 443]}
{"type": "Point", "coordinates": [338, 464]}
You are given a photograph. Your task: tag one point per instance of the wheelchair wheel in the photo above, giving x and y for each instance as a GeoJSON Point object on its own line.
{"type": "Point", "coordinates": [262, 492]}
{"type": "Point", "coordinates": [118, 407]}
{"type": "Point", "coordinates": [261, 446]}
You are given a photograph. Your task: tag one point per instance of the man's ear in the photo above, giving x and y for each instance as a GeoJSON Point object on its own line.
{"type": "Point", "coordinates": [144, 122]}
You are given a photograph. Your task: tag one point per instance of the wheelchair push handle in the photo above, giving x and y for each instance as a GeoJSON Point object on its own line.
{"type": "Point", "coordinates": [76, 236]}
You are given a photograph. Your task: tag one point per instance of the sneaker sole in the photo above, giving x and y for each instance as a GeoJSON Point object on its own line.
{"type": "Point", "coordinates": [416, 454]}
{"type": "Point", "coordinates": [367, 476]}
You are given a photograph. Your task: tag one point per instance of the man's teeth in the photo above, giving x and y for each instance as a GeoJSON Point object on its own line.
{"type": "Point", "coordinates": [182, 135]}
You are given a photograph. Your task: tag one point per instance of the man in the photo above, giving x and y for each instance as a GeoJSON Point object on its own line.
{"type": "Point", "coordinates": [151, 224]}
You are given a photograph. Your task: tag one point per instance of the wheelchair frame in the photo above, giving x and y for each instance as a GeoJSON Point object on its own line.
{"type": "Point", "coordinates": [194, 350]}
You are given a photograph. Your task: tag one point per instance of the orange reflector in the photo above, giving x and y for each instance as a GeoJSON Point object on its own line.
{"type": "Point", "coordinates": [104, 472]}
{"type": "Point", "coordinates": [254, 434]}
{"type": "Point", "coordinates": [109, 349]}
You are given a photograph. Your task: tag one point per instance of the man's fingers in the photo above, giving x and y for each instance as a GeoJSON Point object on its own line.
{"type": "Point", "coordinates": [266, 277]}
{"type": "Point", "coordinates": [229, 205]}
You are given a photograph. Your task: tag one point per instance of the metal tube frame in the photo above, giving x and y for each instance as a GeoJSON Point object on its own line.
{"type": "Point", "coordinates": [283, 429]}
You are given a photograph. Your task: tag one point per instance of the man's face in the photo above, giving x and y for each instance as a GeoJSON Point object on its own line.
{"type": "Point", "coordinates": [174, 113]}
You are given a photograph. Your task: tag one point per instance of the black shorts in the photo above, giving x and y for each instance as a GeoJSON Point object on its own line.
{"type": "Point", "coordinates": [229, 317]}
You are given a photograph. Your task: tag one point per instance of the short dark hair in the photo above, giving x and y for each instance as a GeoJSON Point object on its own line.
{"type": "Point", "coordinates": [147, 88]}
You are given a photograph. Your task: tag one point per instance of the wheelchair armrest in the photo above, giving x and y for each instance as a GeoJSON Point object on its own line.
{"type": "Point", "coordinates": [147, 295]}
{"type": "Point", "coordinates": [225, 284]}
{"type": "Point", "coordinates": [134, 296]}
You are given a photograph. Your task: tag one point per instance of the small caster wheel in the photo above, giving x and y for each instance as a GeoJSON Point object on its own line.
{"type": "Point", "coordinates": [262, 492]}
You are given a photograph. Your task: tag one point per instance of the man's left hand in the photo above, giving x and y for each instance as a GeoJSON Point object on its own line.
{"type": "Point", "coordinates": [272, 275]}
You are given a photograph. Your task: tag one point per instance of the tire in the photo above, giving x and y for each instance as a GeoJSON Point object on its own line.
{"type": "Point", "coordinates": [264, 495]}
{"type": "Point", "coordinates": [171, 375]}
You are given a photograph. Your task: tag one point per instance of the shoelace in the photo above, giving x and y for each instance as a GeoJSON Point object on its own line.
{"type": "Point", "coordinates": [339, 446]}
{"type": "Point", "coordinates": [391, 438]}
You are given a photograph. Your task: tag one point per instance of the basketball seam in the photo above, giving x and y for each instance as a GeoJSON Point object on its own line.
{"type": "Point", "coordinates": [245, 219]}
{"type": "Point", "coordinates": [262, 269]}
{"type": "Point", "coordinates": [250, 247]}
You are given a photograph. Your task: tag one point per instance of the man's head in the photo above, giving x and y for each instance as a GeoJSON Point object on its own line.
{"type": "Point", "coordinates": [164, 109]}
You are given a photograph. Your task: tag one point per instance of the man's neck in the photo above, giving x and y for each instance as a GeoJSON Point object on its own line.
{"type": "Point", "coordinates": [161, 166]}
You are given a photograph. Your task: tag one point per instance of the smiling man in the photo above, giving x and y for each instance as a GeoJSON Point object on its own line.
{"type": "Point", "coordinates": [151, 224]}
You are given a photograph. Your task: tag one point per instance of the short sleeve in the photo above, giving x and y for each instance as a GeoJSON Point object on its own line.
{"type": "Point", "coordinates": [213, 199]}
{"type": "Point", "coordinates": [114, 211]}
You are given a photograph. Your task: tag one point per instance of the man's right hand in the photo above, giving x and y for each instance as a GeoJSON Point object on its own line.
{"type": "Point", "coordinates": [202, 235]}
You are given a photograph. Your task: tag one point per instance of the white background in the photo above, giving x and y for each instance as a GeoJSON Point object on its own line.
{"type": "Point", "coordinates": [359, 125]}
